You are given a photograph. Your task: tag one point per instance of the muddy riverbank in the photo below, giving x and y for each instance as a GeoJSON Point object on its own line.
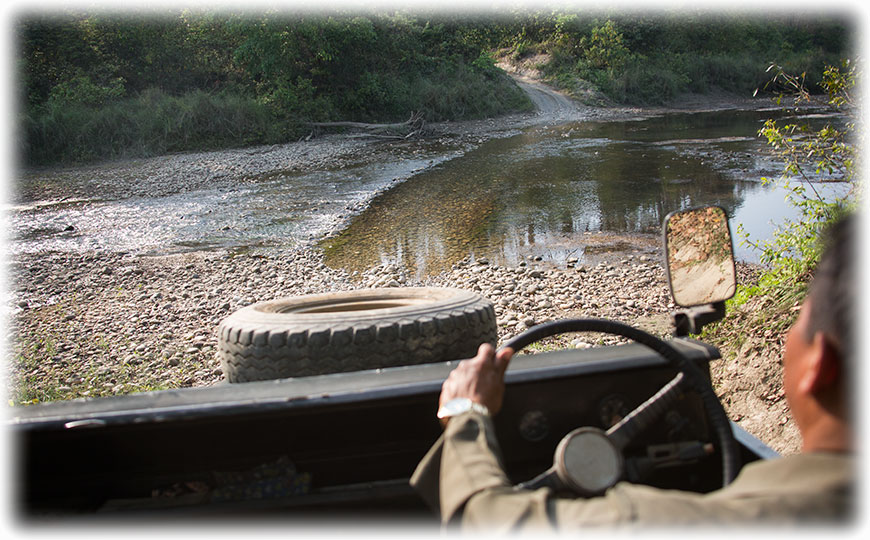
{"type": "Point", "coordinates": [94, 324]}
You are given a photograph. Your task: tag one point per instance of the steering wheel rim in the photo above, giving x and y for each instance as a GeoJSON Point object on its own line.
{"type": "Point", "coordinates": [712, 406]}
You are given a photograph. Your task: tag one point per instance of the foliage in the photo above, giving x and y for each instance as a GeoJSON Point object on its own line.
{"type": "Point", "coordinates": [82, 90]}
{"type": "Point", "coordinates": [604, 48]}
{"type": "Point", "coordinates": [810, 155]}
{"type": "Point", "coordinates": [764, 309]}
{"type": "Point", "coordinates": [82, 72]}
{"type": "Point", "coordinates": [96, 86]}
{"type": "Point", "coordinates": [152, 123]}
{"type": "Point", "coordinates": [642, 83]}
{"type": "Point", "coordinates": [651, 58]}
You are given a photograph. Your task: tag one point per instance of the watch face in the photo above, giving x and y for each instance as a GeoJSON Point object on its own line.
{"type": "Point", "coordinates": [454, 407]}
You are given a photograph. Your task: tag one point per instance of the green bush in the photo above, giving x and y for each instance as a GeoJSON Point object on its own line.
{"type": "Point", "coordinates": [470, 94]}
{"type": "Point", "coordinates": [605, 49]}
{"type": "Point", "coordinates": [643, 83]}
{"type": "Point", "coordinates": [149, 124]}
{"type": "Point", "coordinates": [792, 253]}
{"type": "Point", "coordinates": [646, 58]}
{"type": "Point", "coordinates": [739, 74]}
{"type": "Point", "coordinates": [100, 87]}
{"type": "Point", "coordinates": [155, 122]}
{"type": "Point", "coordinates": [185, 81]}
{"type": "Point", "coordinates": [82, 90]}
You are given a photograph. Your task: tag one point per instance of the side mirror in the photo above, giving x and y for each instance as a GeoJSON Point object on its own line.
{"type": "Point", "coordinates": [700, 259]}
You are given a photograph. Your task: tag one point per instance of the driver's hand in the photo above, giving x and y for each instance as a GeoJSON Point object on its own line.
{"type": "Point", "coordinates": [480, 379]}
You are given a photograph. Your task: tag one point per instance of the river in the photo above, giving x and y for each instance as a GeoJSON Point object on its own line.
{"type": "Point", "coordinates": [537, 192]}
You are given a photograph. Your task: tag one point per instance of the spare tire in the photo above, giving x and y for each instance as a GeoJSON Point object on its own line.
{"type": "Point", "coordinates": [352, 331]}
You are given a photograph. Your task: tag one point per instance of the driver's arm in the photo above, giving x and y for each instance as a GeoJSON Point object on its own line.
{"type": "Point", "coordinates": [462, 475]}
{"type": "Point", "coordinates": [475, 492]}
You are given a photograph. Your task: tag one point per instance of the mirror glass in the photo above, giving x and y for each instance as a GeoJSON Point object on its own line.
{"type": "Point", "coordinates": [700, 259]}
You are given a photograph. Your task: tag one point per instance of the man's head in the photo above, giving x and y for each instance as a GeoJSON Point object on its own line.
{"type": "Point", "coordinates": [833, 289]}
{"type": "Point", "coordinates": [818, 350]}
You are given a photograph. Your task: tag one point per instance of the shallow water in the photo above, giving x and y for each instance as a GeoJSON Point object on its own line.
{"type": "Point", "coordinates": [278, 211]}
{"type": "Point", "coordinates": [535, 193]}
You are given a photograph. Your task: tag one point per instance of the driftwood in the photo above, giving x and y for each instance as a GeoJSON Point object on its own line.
{"type": "Point", "coordinates": [412, 127]}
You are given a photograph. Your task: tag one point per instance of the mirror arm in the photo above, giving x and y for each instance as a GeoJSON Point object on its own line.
{"type": "Point", "coordinates": [692, 320]}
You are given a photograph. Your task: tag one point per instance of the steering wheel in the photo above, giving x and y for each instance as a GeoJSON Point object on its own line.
{"type": "Point", "coordinates": [589, 460]}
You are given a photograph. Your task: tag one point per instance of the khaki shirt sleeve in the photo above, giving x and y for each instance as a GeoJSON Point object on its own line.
{"type": "Point", "coordinates": [464, 461]}
{"type": "Point", "coordinates": [462, 477]}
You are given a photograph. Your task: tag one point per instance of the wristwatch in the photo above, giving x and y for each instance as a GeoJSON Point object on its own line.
{"type": "Point", "coordinates": [460, 405]}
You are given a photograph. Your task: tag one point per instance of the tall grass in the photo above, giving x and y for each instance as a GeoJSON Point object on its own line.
{"type": "Point", "coordinates": [469, 96]}
{"type": "Point", "coordinates": [657, 78]}
{"type": "Point", "coordinates": [155, 122]}
{"type": "Point", "coordinates": [150, 124]}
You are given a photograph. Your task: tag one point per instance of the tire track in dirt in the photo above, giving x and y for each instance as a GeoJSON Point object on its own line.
{"type": "Point", "coordinates": [551, 105]}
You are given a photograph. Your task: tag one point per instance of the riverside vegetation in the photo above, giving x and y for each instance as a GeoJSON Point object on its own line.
{"type": "Point", "coordinates": [102, 86]}
{"type": "Point", "coordinates": [752, 337]}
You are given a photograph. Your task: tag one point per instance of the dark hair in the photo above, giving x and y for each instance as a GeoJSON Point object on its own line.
{"type": "Point", "coordinates": [833, 289]}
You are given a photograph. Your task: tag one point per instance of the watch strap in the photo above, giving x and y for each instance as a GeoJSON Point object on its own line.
{"type": "Point", "coordinates": [458, 406]}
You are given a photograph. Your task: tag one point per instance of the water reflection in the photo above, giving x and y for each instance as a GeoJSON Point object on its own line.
{"type": "Point", "coordinates": [536, 189]}
{"type": "Point", "coordinates": [537, 193]}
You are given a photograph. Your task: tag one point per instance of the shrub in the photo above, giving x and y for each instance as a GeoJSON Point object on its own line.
{"type": "Point", "coordinates": [793, 252]}
{"type": "Point", "coordinates": [81, 90]}
{"type": "Point", "coordinates": [644, 83]}
{"type": "Point", "coordinates": [149, 124]}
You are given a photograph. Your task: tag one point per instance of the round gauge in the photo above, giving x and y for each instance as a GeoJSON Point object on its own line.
{"type": "Point", "coordinates": [534, 426]}
{"type": "Point", "coordinates": [612, 409]}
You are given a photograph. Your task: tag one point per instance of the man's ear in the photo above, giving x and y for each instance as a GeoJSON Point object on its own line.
{"type": "Point", "coordinates": [822, 367]}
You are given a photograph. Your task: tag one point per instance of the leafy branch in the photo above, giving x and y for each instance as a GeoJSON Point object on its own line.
{"type": "Point", "coordinates": [810, 155]}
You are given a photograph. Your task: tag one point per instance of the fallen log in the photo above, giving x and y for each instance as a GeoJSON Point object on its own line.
{"type": "Point", "coordinates": [413, 126]}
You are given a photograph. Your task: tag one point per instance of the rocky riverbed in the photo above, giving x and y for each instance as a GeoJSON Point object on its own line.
{"type": "Point", "coordinates": [93, 324]}
{"type": "Point", "coordinates": [103, 324]}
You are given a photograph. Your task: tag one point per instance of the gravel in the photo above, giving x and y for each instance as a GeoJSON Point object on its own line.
{"type": "Point", "coordinates": [102, 324]}
{"type": "Point", "coordinates": [178, 173]}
